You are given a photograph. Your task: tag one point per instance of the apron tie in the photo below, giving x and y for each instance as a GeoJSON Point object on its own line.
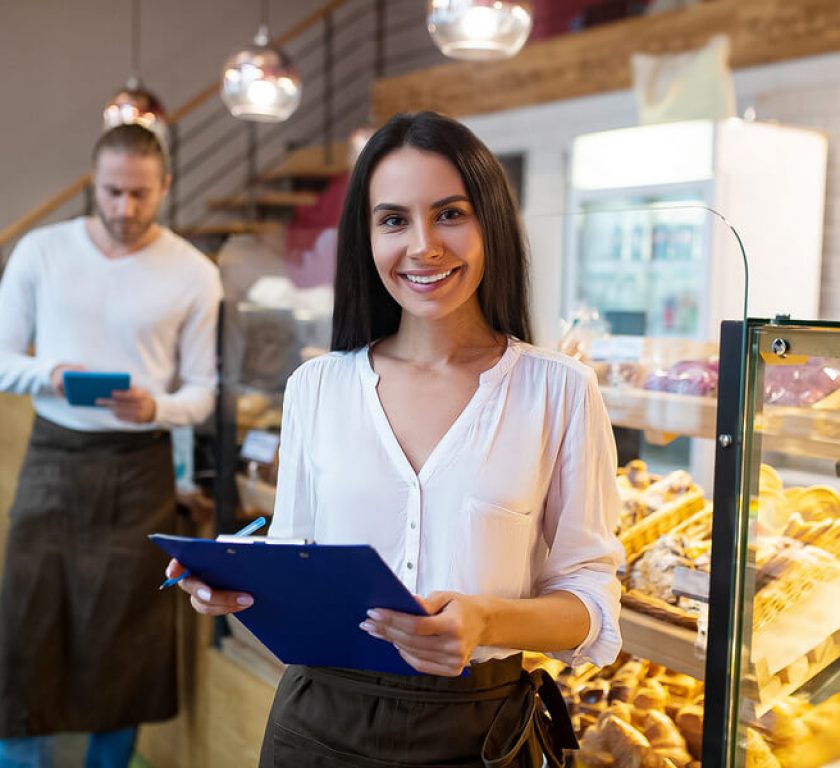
{"type": "Point", "coordinates": [534, 717]}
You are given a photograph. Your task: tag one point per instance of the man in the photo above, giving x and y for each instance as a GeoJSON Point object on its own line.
{"type": "Point", "coordinates": [86, 640]}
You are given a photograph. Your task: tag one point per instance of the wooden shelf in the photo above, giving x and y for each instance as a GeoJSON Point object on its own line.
{"type": "Point", "coordinates": [227, 228]}
{"type": "Point", "coordinates": [808, 431]}
{"type": "Point", "coordinates": [662, 643]}
{"type": "Point", "coordinates": [311, 163]}
{"type": "Point", "coordinates": [662, 412]}
{"type": "Point", "coordinates": [264, 200]}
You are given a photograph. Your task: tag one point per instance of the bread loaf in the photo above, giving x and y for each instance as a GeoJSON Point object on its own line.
{"type": "Point", "coordinates": [759, 754]}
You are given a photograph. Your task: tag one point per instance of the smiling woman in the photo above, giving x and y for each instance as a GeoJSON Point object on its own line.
{"type": "Point", "coordinates": [480, 468]}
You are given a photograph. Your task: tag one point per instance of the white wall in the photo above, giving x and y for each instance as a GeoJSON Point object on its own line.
{"type": "Point", "coordinates": [804, 92]}
{"type": "Point", "coordinates": [61, 61]}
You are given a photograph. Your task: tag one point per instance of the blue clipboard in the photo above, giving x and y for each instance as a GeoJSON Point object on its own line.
{"type": "Point", "coordinates": [85, 387]}
{"type": "Point", "coordinates": [309, 599]}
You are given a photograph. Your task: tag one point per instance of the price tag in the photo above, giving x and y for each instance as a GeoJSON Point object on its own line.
{"type": "Point", "coordinates": [689, 582]}
{"type": "Point", "coordinates": [260, 446]}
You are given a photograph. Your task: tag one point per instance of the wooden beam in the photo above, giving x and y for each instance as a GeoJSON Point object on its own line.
{"type": "Point", "coordinates": [598, 60]}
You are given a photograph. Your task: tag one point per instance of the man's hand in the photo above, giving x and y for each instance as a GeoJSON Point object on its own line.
{"type": "Point", "coordinates": [57, 376]}
{"type": "Point", "coordinates": [439, 644]}
{"type": "Point", "coordinates": [134, 404]}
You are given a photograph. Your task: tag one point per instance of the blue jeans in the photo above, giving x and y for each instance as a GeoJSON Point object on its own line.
{"type": "Point", "coordinates": [109, 749]}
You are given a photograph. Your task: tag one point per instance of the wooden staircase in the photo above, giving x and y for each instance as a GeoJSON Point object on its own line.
{"type": "Point", "coordinates": [274, 196]}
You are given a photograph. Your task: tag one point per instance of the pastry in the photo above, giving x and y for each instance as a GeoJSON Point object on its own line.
{"type": "Point", "coordinates": [758, 753]}
{"type": "Point", "coordinates": [617, 709]}
{"type": "Point", "coordinates": [673, 756]}
{"type": "Point", "coordinates": [623, 689]}
{"type": "Point", "coordinates": [593, 697]}
{"type": "Point", "coordinates": [651, 695]}
{"type": "Point", "coordinates": [690, 722]}
{"type": "Point", "coordinates": [680, 686]}
{"type": "Point", "coordinates": [819, 502]}
{"type": "Point", "coordinates": [661, 731]}
{"type": "Point", "coordinates": [782, 724]}
{"type": "Point", "coordinates": [626, 744]}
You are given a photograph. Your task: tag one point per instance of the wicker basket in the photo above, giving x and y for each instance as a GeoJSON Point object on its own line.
{"type": "Point", "coordinates": [665, 519]}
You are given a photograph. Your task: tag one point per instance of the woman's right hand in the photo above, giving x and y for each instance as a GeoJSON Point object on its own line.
{"type": "Point", "coordinates": [211, 602]}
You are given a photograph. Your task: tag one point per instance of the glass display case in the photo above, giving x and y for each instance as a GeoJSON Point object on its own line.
{"type": "Point", "coordinates": [774, 655]}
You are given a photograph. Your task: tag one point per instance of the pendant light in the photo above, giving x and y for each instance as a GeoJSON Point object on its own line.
{"type": "Point", "coordinates": [134, 103]}
{"type": "Point", "coordinates": [480, 30]}
{"type": "Point", "coordinates": [261, 83]}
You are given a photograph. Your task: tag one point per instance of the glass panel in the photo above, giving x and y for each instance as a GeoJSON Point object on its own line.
{"type": "Point", "coordinates": [644, 268]}
{"type": "Point", "coordinates": [789, 686]}
{"type": "Point", "coordinates": [277, 312]}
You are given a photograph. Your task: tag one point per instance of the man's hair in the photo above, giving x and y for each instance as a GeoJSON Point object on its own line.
{"type": "Point", "coordinates": [364, 310]}
{"type": "Point", "coordinates": [132, 139]}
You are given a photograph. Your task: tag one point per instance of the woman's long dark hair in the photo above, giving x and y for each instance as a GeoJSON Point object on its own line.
{"type": "Point", "coordinates": [364, 310]}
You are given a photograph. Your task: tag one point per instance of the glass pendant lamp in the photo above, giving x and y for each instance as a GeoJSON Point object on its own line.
{"type": "Point", "coordinates": [479, 30]}
{"type": "Point", "coordinates": [261, 83]}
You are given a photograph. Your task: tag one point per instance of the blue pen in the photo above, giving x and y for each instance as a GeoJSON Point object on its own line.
{"type": "Point", "coordinates": [247, 530]}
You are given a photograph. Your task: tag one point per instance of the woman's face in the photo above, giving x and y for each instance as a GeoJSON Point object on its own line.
{"type": "Point", "coordinates": [424, 234]}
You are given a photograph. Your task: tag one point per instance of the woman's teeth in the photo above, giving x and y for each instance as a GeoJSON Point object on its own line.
{"type": "Point", "coordinates": [426, 279]}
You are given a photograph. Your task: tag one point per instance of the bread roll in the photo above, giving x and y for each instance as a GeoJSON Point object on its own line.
{"type": "Point", "coordinates": [661, 731]}
{"type": "Point", "coordinates": [617, 709]}
{"type": "Point", "coordinates": [782, 725]}
{"type": "Point", "coordinates": [593, 697]}
{"type": "Point", "coordinates": [758, 753]}
{"type": "Point", "coordinates": [651, 695]}
{"type": "Point", "coordinates": [626, 744]}
{"type": "Point", "coordinates": [623, 689]}
{"type": "Point", "coordinates": [680, 686]}
{"type": "Point", "coordinates": [675, 756]}
{"type": "Point", "coordinates": [690, 722]}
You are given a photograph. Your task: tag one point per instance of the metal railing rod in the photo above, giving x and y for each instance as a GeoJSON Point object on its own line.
{"type": "Point", "coordinates": [202, 186]}
{"type": "Point", "coordinates": [210, 150]}
{"type": "Point", "coordinates": [200, 127]}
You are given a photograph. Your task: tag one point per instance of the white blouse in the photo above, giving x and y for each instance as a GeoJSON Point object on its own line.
{"type": "Point", "coordinates": [518, 499]}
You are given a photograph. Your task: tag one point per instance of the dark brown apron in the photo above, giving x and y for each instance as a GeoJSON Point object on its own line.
{"type": "Point", "coordinates": [87, 641]}
{"type": "Point", "coordinates": [493, 718]}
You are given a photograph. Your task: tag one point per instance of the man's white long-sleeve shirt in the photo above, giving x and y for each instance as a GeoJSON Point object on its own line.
{"type": "Point", "coordinates": [152, 313]}
{"type": "Point", "coordinates": [518, 499]}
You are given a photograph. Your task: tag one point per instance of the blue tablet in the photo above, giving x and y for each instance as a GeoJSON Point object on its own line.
{"type": "Point", "coordinates": [85, 387]}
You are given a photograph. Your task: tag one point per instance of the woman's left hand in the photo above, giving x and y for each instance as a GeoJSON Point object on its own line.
{"type": "Point", "coordinates": [441, 643]}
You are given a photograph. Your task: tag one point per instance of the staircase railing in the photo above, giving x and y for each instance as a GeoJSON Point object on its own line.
{"type": "Point", "coordinates": [339, 49]}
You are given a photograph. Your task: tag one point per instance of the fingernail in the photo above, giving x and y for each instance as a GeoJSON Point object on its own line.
{"type": "Point", "coordinates": [168, 571]}
{"type": "Point", "coordinates": [366, 626]}
{"type": "Point", "coordinates": [245, 600]}
{"type": "Point", "coordinates": [203, 594]}
{"type": "Point", "coordinates": [374, 614]}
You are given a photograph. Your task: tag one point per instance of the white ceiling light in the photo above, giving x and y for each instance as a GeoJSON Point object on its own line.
{"type": "Point", "coordinates": [261, 83]}
{"type": "Point", "coordinates": [479, 29]}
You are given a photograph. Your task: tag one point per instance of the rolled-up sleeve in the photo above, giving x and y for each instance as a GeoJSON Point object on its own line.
{"type": "Point", "coordinates": [581, 515]}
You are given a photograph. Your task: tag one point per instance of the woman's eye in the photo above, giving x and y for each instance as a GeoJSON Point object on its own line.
{"type": "Point", "coordinates": [391, 221]}
{"type": "Point", "coordinates": [450, 214]}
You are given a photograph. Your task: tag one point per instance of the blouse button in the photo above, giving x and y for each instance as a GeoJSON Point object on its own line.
{"type": "Point", "coordinates": [412, 525]}
{"type": "Point", "coordinates": [409, 566]}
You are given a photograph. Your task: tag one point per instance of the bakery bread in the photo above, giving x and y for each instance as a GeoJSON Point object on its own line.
{"type": "Point", "coordinates": [759, 754]}
{"type": "Point", "coordinates": [651, 695]}
{"type": "Point", "coordinates": [627, 745]}
{"type": "Point", "coordinates": [690, 722]}
{"type": "Point", "coordinates": [661, 731]}
{"type": "Point", "coordinates": [593, 697]}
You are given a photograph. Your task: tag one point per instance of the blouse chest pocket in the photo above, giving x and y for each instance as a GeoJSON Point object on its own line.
{"type": "Point", "coordinates": [491, 554]}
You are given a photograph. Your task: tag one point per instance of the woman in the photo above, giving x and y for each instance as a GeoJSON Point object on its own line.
{"type": "Point", "coordinates": [481, 469]}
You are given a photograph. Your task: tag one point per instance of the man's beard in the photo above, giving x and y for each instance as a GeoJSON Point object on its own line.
{"type": "Point", "coordinates": [126, 231]}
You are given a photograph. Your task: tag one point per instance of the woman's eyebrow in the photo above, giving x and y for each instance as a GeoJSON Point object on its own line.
{"type": "Point", "coordinates": [437, 204]}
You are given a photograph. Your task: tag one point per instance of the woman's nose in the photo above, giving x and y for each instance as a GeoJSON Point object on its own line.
{"type": "Point", "coordinates": [424, 242]}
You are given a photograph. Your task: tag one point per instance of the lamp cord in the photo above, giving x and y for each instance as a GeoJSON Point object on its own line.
{"type": "Point", "coordinates": [135, 40]}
